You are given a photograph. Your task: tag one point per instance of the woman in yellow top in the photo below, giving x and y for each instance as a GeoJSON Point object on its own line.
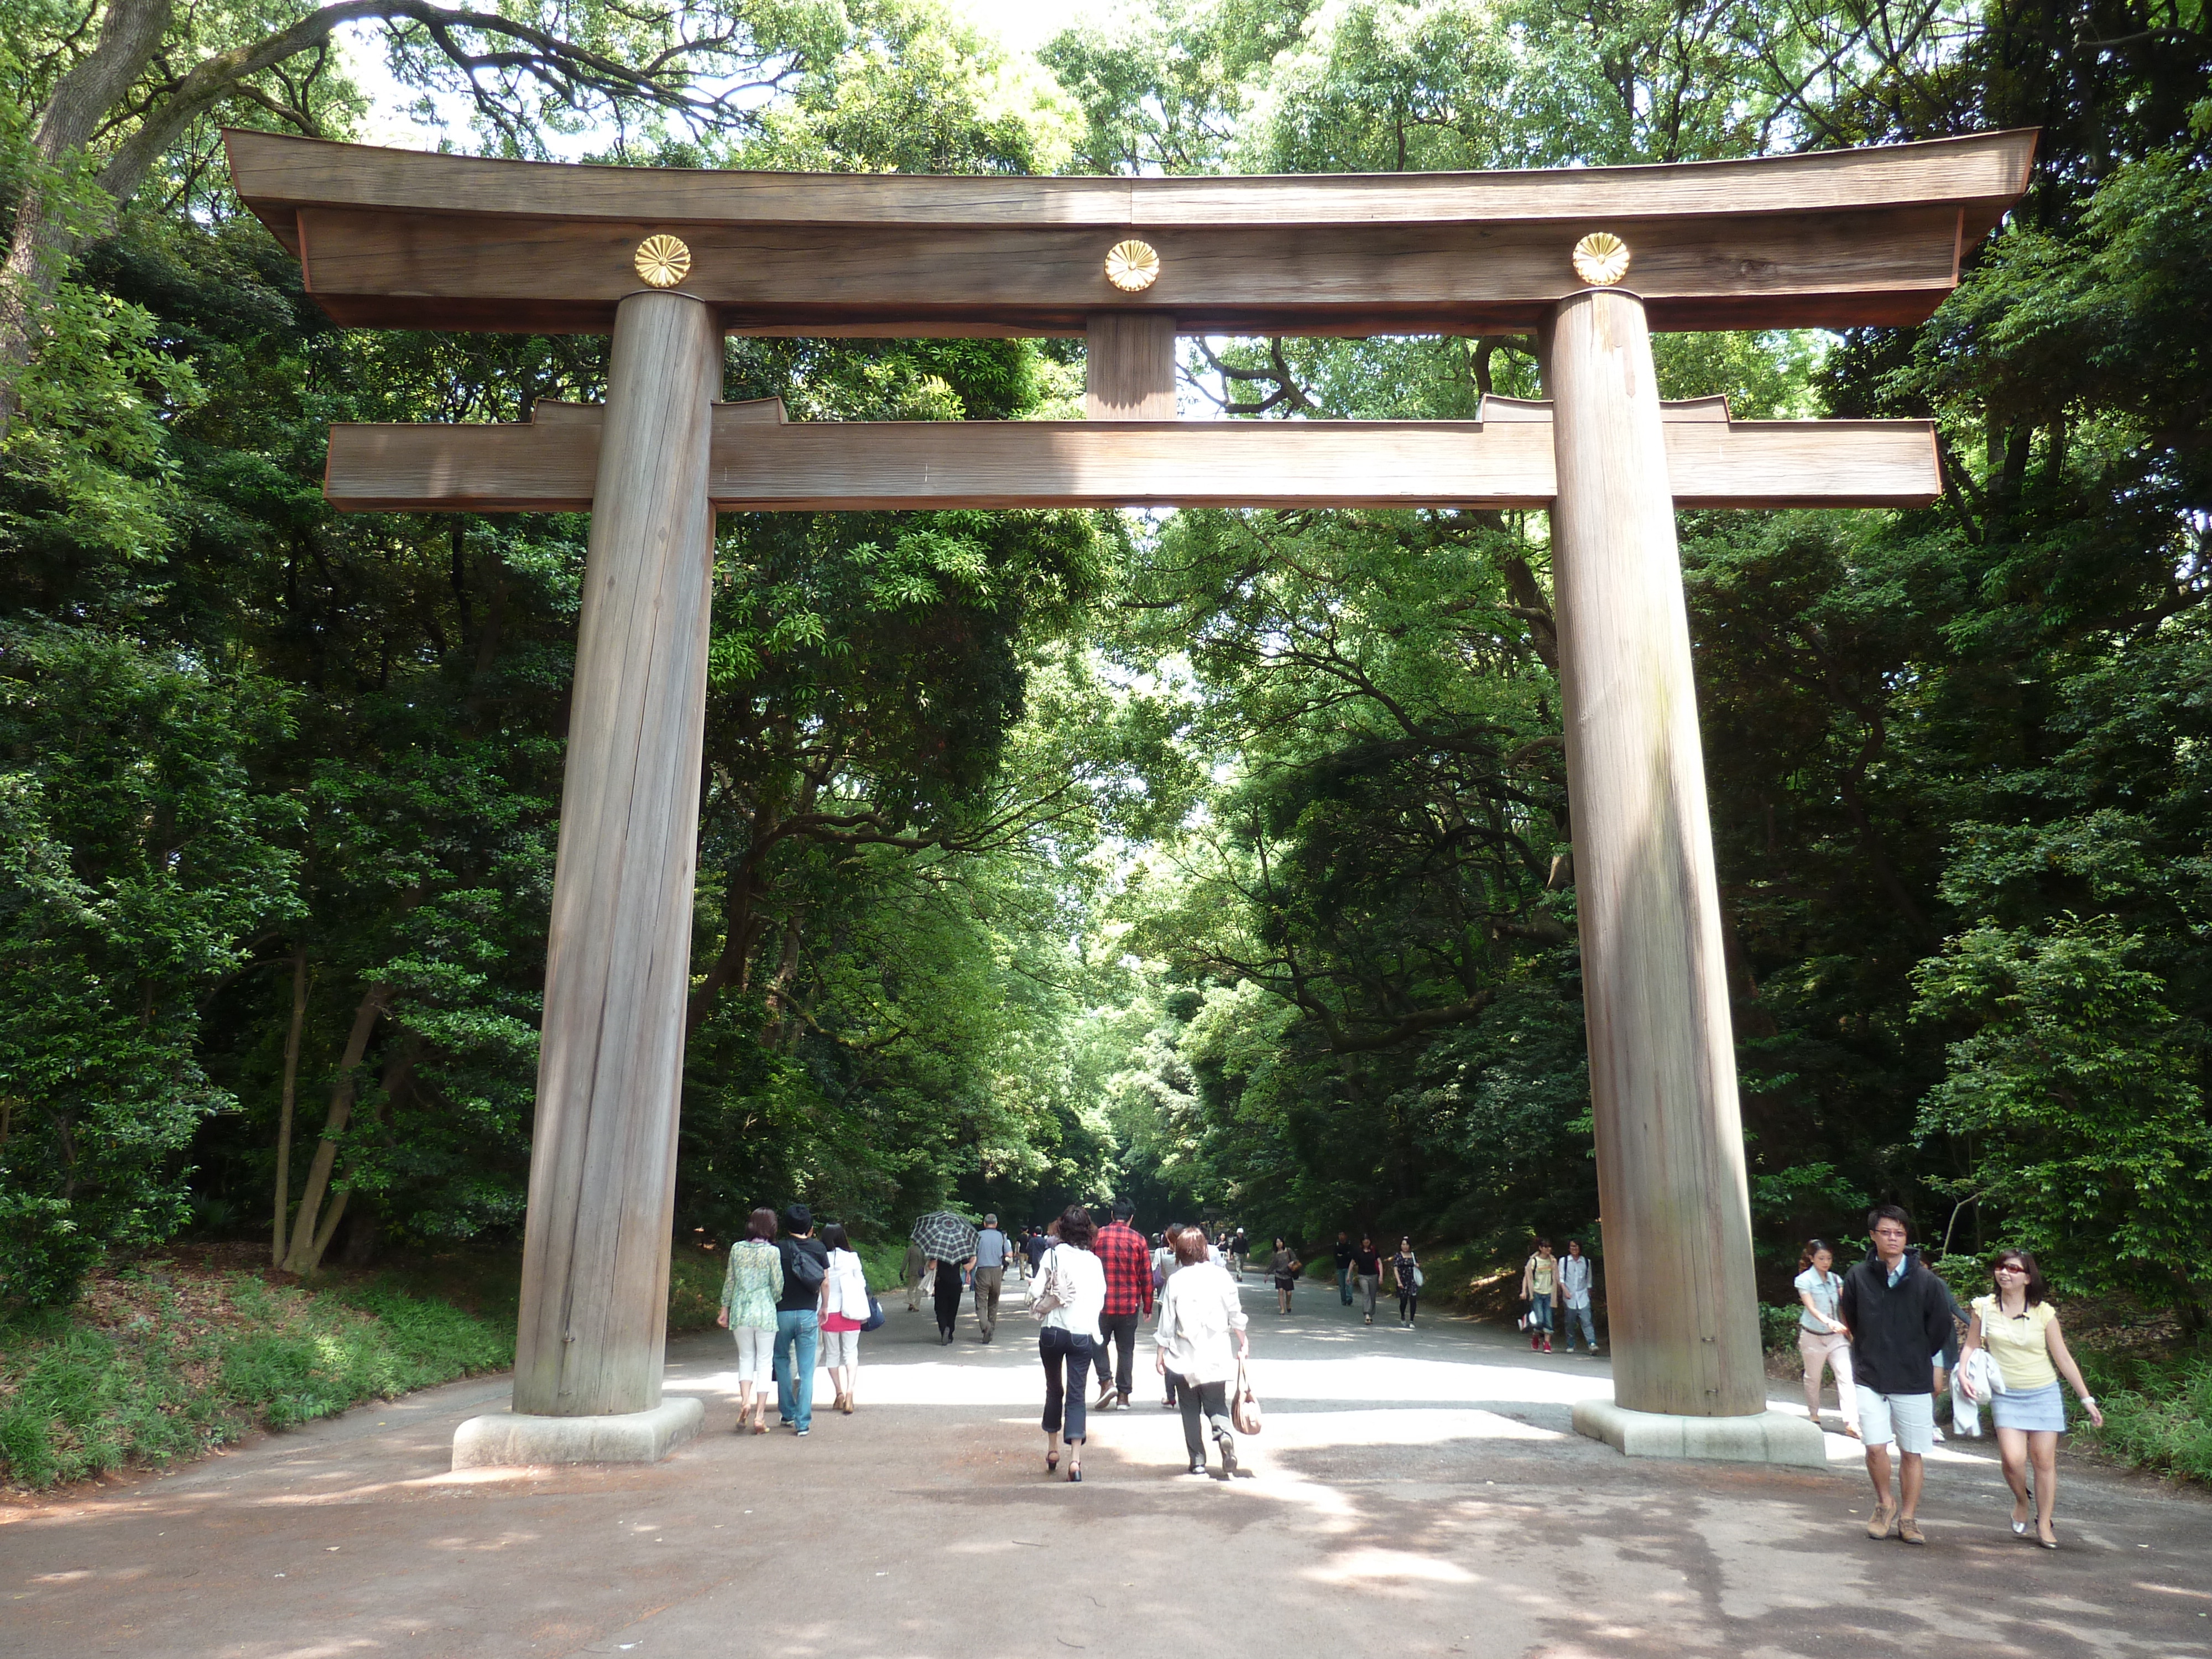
{"type": "Point", "coordinates": [2019, 1329]}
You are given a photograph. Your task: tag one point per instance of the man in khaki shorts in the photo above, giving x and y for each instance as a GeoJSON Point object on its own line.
{"type": "Point", "coordinates": [1897, 1313]}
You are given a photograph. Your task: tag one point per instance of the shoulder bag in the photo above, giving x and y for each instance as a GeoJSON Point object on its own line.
{"type": "Point", "coordinates": [1244, 1409]}
{"type": "Point", "coordinates": [1047, 1296]}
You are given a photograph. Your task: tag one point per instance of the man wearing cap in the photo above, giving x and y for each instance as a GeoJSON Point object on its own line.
{"type": "Point", "coordinates": [989, 1274]}
{"type": "Point", "coordinates": [798, 1324]}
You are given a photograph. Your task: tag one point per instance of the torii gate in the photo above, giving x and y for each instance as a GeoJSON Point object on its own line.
{"type": "Point", "coordinates": [1588, 259]}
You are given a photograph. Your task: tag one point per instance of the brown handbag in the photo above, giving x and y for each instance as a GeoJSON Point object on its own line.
{"type": "Point", "coordinates": [1244, 1409]}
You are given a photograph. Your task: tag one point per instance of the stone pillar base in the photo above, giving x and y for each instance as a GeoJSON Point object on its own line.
{"type": "Point", "coordinates": [1768, 1438]}
{"type": "Point", "coordinates": [515, 1439]}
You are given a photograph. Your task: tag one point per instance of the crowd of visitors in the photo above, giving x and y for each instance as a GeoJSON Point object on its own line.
{"type": "Point", "coordinates": [1888, 1330]}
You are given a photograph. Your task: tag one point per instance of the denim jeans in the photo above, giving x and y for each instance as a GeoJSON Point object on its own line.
{"type": "Point", "coordinates": [1568, 1317]}
{"type": "Point", "coordinates": [1540, 1316]}
{"type": "Point", "coordinates": [1344, 1285]}
{"type": "Point", "coordinates": [1059, 1348]}
{"type": "Point", "coordinates": [797, 1331]}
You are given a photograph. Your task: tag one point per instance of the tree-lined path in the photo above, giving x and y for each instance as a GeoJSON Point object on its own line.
{"type": "Point", "coordinates": [1414, 1493]}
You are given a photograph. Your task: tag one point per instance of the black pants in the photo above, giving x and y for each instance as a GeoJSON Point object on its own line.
{"type": "Point", "coordinates": [948, 1297]}
{"type": "Point", "coordinates": [1056, 1348]}
{"type": "Point", "coordinates": [1210, 1400]}
{"type": "Point", "coordinates": [1407, 1301]}
{"type": "Point", "coordinates": [1120, 1334]}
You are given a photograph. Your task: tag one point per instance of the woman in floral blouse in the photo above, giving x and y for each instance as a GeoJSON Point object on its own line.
{"type": "Point", "coordinates": [750, 1290]}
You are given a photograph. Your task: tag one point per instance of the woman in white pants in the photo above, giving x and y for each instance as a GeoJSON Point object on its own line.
{"type": "Point", "coordinates": [1822, 1340]}
{"type": "Point", "coordinates": [844, 1311]}
{"type": "Point", "coordinates": [750, 1288]}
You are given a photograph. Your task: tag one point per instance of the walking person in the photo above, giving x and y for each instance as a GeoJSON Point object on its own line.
{"type": "Point", "coordinates": [751, 1286]}
{"type": "Point", "coordinates": [1822, 1337]}
{"type": "Point", "coordinates": [1284, 1267]}
{"type": "Point", "coordinates": [1240, 1252]}
{"type": "Point", "coordinates": [991, 1252]}
{"type": "Point", "coordinates": [1539, 1288]}
{"type": "Point", "coordinates": [1405, 1276]}
{"type": "Point", "coordinates": [2019, 1327]}
{"type": "Point", "coordinates": [1344, 1255]}
{"type": "Point", "coordinates": [913, 1273]}
{"type": "Point", "coordinates": [1897, 1313]}
{"type": "Point", "coordinates": [798, 1318]}
{"type": "Point", "coordinates": [1201, 1341]}
{"type": "Point", "coordinates": [946, 1290]}
{"type": "Point", "coordinates": [1127, 1265]}
{"type": "Point", "coordinates": [1071, 1290]}
{"type": "Point", "coordinates": [1575, 1297]}
{"type": "Point", "coordinates": [1033, 1249]}
{"type": "Point", "coordinates": [1367, 1268]}
{"type": "Point", "coordinates": [844, 1311]}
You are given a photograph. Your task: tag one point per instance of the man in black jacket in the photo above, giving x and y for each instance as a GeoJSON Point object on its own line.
{"type": "Point", "coordinates": [1898, 1313]}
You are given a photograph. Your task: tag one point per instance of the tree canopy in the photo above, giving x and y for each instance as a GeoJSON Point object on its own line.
{"type": "Point", "coordinates": [1219, 858]}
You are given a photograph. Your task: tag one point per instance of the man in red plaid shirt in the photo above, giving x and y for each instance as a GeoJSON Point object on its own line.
{"type": "Point", "coordinates": [1121, 1250]}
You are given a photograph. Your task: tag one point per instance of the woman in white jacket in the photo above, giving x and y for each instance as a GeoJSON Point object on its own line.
{"type": "Point", "coordinates": [1199, 1342]}
{"type": "Point", "coordinates": [1068, 1296]}
{"type": "Point", "coordinates": [843, 1310]}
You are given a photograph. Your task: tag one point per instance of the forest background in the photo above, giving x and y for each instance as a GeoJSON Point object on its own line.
{"type": "Point", "coordinates": [1218, 860]}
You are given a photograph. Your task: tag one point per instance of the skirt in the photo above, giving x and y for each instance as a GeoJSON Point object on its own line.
{"type": "Point", "coordinates": [2032, 1409]}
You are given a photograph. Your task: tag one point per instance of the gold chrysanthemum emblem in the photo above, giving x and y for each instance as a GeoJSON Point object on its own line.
{"type": "Point", "coordinates": [1132, 266]}
{"type": "Point", "coordinates": [1601, 259]}
{"type": "Point", "coordinates": [663, 261]}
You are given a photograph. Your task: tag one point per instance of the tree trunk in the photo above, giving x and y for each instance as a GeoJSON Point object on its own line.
{"type": "Point", "coordinates": [291, 1096]}
{"type": "Point", "coordinates": [44, 235]}
{"type": "Point", "coordinates": [311, 1230]}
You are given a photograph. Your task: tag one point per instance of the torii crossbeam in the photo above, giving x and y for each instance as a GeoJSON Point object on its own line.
{"type": "Point", "coordinates": [1589, 259]}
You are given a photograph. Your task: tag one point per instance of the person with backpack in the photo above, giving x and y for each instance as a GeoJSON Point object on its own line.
{"type": "Point", "coordinates": [1067, 1300]}
{"type": "Point", "coordinates": [798, 1318]}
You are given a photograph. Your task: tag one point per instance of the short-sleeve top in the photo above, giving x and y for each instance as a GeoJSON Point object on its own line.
{"type": "Point", "coordinates": [752, 1284]}
{"type": "Point", "coordinates": [1824, 1291]}
{"type": "Point", "coordinates": [2018, 1346]}
{"type": "Point", "coordinates": [1543, 1276]}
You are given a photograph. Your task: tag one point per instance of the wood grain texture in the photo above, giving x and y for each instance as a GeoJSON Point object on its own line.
{"type": "Point", "coordinates": [420, 269]}
{"type": "Point", "coordinates": [1129, 367]}
{"type": "Point", "coordinates": [603, 1147]}
{"type": "Point", "coordinates": [766, 466]}
{"type": "Point", "coordinates": [273, 173]}
{"type": "Point", "coordinates": [1671, 1182]}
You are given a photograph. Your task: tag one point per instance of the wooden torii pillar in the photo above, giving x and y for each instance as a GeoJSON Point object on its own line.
{"type": "Point", "coordinates": [1590, 260]}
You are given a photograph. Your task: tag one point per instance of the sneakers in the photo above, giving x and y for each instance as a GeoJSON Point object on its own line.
{"type": "Point", "coordinates": [1548, 1344]}
{"type": "Point", "coordinates": [1909, 1530]}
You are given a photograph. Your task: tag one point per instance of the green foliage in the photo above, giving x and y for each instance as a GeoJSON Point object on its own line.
{"type": "Point", "coordinates": [193, 1366]}
{"type": "Point", "coordinates": [138, 855]}
{"type": "Point", "coordinates": [2078, 1090]}
{"type": "Point", "coordinates": [2157, 1410]}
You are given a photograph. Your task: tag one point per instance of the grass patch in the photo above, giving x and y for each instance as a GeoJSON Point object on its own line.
{"type": "Point", "coordinates": [155, 1366]}
{"type": "Point", "coordinates": [2157, 1406]}
{"type": "Point", "coordinates": [163, 1361]}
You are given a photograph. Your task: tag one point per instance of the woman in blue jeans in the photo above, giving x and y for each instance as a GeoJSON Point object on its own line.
{"type": "Point", "coordinates": [1070, 1287]}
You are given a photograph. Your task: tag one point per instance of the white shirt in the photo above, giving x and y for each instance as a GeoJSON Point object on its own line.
{"type": "Point", "coordinates": [1199, 1311]}
{"type": "Point", "coordinates": [1574, 1280]}
{"type": "Point", "coordinates": [1080, 1278]}
{"type": "Point", "coordinates": [845, 1286]}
